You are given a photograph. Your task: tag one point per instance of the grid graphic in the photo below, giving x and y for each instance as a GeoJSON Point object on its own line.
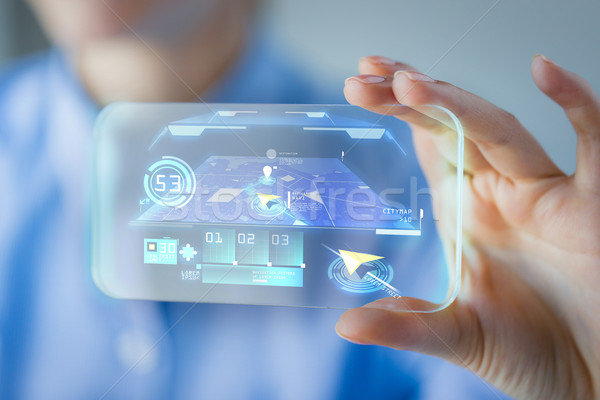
{"type": "Point", "coordinates": [252, 247]}
{"type": "Point", "coordinates": [218, 246]}
{"type": "Point", "coordinates": [287, 248]}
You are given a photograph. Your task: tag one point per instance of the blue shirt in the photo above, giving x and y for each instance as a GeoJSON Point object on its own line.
{"type": "Point", "coordinates": [61, 338]}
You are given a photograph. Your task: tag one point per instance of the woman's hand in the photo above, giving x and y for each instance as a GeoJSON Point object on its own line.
{"type": "Point", "coordinates": [527, 318]}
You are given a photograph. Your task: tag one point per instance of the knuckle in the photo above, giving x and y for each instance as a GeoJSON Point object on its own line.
{"type": "Point", "coordinates": [508, 125]}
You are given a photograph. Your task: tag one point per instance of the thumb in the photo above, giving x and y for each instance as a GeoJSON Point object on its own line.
{"type": "Point", "coordinates": [582, 106]}
{"type": "Point", "coordinates": [451, 334]}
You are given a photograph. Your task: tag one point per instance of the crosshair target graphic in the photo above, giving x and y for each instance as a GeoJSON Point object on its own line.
{"type": "Point", "coordinates": [267, 206]}
{"type": "Point", "coordinates": [339, 274]}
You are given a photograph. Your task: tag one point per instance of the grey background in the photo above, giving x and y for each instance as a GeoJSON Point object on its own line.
{"type": "Point", "coordinates": [447, 39]}
{"type": "Point", "coordinates": [19, 31]}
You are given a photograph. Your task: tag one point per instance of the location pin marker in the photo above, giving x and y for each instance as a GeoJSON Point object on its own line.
{"type": "Point", "coordinates": [267, 171]}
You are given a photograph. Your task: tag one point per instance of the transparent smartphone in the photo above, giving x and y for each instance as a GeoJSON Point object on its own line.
{"type": "Point", "coordinates": [276, 204]}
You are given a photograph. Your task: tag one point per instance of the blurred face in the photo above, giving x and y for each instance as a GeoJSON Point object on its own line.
{"type": "Point", "coordinates": [74, 23]}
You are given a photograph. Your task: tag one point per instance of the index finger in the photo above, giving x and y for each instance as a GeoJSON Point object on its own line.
{"type": "Point", "coordinates": [508, 147]}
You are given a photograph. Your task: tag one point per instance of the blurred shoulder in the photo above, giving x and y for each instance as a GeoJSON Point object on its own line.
{"type": "Point", "coordinates": [23, 74]}
{"type": "Point", "coordinates": [22, 86]}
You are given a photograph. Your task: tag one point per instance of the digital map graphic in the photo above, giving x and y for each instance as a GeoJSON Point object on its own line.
{"type": "Point", "coordinates": [318, 192]}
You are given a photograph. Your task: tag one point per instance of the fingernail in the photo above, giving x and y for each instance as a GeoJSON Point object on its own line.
{"type": "Point", "coordinates": [415, 76]}
{"type": "Point", "coordinates": [545, 59]}
{"type": "Point", "coordinates": [368, 79]}
{"type": "Point", "coordinates": [381, 60]}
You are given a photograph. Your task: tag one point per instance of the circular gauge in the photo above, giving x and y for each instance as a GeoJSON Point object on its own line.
{"type": "Point", "coordinates": [271, 154]}
{"type": "Point", "coordinates": [354, 283]}
{"type": "Point", "coordinates": [170, 182]}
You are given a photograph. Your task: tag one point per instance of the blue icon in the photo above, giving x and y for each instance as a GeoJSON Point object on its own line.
{"type": "Point", "coordinates": [160, 251]}
{"type": "Point", "coordinates": [188, 252]}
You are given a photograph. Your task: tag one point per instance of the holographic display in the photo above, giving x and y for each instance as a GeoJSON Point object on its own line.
{"type": "Point", "coordinates": [297, 205]}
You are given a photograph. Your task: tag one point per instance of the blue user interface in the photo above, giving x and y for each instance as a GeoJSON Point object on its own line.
{"type": "Point", "coordinates": [255, 205]}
